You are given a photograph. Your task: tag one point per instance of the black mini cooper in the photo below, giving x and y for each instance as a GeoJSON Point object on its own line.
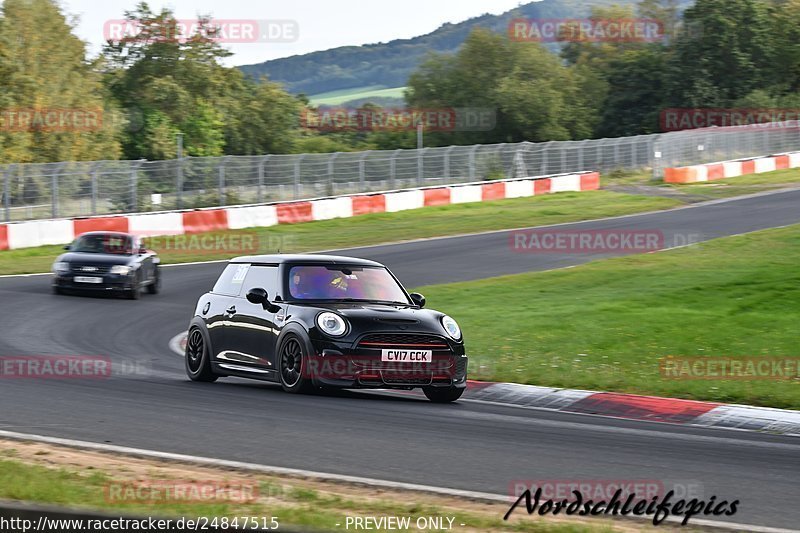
{"type": "Point", "coordinates": [107, 261]}
{"type": "Point", "coordinates": [312, 321]}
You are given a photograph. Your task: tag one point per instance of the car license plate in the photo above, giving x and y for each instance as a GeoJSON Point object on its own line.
{"type": "Point", "coordinates": [88, 279]}
{"type": "Point", "coordinates": [407, 356]}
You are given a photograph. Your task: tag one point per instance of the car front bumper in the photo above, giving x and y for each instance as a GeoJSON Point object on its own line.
{"type": "Point", "coordinates": [110, 282]}
{"type": "Point", "coordinates": [357, 366]}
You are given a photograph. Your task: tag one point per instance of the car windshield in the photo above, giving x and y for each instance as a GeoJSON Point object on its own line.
{"type": "Point", "coordinates": [340, 283]}
{"type": "Point", "coordinates": [103, 243]}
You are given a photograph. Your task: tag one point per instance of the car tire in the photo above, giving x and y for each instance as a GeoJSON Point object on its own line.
{"type": "Point", "coordinates": [136, 289]}
{"type": "Point", "coordinates": [154, 287]}
{"type": "Point", "coordinates": [58, 290]}
{"type": "Point", "coordinates": [292, 363]}
{"type": "Point", "coordinates": [443, 394]}
{"type": "Point", "coordinates": [198, 360]}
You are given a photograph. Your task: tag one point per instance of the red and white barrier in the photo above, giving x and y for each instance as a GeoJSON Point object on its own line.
{"type": "Point", "coordinates": [731, 169]}
{"type": "Point", "coordinates": [62, 231]}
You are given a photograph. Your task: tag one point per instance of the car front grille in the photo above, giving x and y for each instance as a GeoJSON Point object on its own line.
{"type": "Point", "coordinates": [404, 340]}
{"type": "Point", "coordinates": [81, 268]}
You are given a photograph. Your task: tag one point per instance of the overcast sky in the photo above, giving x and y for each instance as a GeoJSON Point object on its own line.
{"type": "Point", "coordinates": [322, 24]}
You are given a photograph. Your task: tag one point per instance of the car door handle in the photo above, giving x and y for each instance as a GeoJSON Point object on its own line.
{"type": "Point", "coordinates": [231, 310]}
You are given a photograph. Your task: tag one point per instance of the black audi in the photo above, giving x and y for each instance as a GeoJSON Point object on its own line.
{"type": "Point", "coordinates": [107, 261]}
{"type": "Point", "coordinates": [310, 322]}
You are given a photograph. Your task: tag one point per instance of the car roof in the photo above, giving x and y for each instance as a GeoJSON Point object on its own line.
{"type": "Point", "coordinates": [119, 233]}
{"type": "Point", "coordinates": [305, 258]}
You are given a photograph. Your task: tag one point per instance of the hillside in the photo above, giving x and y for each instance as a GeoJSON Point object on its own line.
{"type": "Point", "coordinates": [390, 64]}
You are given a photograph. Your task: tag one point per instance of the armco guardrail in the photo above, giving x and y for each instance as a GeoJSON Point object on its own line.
{"type": "Point", "coordinates": [731, 169]}
{"type": "Point", "coordinates": [62, 231]}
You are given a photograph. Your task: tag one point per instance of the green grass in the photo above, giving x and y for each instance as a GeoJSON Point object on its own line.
{"type": "Point", "coordinates": [605, 325]}
{"type": "Point", "coordinates": [345, 95]}
{"type": "Point", "coordinates": [302, 507]}
{"type": "Point", "coordinates": [748, 184]}
{"type": "Point", "coordinates": [386, 227]}
{"type": "Point", "coordinates": [724, 188]}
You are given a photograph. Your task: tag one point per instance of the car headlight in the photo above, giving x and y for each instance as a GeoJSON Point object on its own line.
{"type": "Point", "coordinates": [59, 267]}
{"type": "Point", "coordinates": [122, 270]}
{"type": "Point", "coordinates": [451, 327]}
{"type": "Point", "coordinates": [332, 324]}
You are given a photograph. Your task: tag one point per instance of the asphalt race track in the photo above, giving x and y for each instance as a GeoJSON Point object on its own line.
{"type": "Point", "coordinates": [150, 404]}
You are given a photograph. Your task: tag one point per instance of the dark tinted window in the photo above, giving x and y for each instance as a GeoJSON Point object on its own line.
{"type": "Point", "coordinates": [314, 282]}
{"type": "Point", "coordinates": [231, 280]}
{"type": "Point", "coordinates": [103, 243]}
{"type": "Point", "coordinates": [262, 277]}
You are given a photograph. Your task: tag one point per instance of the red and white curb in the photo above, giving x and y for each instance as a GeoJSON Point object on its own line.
{"type": "Point", "coordinates": [62, 231]}
{"type": "Point", "coordinates": [731, 169]}
{"type": "Point", "coordinates": [618, 405]}
{"type": "Point", "coordinates": [634, 407]}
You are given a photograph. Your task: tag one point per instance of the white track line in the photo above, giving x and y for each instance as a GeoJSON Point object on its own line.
{"type": "Point", "coordinates": [322, 476]}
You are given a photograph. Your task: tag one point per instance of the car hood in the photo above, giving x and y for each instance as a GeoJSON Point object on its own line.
{"type": "Point", "coordinates": [373, 317]}
{"type": "Point", "coordinates": [95, 259]}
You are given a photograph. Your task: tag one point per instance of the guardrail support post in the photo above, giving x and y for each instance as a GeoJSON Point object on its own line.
{"type": "Point", "coordinates": [93, 173]}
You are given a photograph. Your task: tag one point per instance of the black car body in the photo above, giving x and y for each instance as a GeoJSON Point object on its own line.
{"type": "Point", "coordinates": [107, 261]}
{"type": "Point", "coordinates": [309, 321]}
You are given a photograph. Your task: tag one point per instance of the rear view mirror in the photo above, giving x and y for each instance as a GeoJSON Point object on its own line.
{"type": "Point", "coordinates": [418, 299]}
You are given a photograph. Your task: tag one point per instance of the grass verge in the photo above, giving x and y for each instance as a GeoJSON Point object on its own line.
{"type": "Point", "coordinates": [605, 325]}
{"type": "Point", "coordinates": [379, 228]}
{"type": "Point", "coordinates": [724, 188]}
{"type": "Point", "coordinates": [48, 474]}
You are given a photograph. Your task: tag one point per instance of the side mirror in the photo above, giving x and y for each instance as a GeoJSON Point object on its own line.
{"type": "Point", "coordinates": [259, 296]}
{"type": "Point", "coordinates": [67, 246]}
{"type": "Point", "coordinates": [418, 299]}
{"type": "Point", "coordinates": [142, 250]}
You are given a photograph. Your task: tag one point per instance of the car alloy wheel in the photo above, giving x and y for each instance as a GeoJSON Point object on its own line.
{"type": "Point", "coordinates": [198, 366]}
{"type": "Point", "coordinates": [292, 366]}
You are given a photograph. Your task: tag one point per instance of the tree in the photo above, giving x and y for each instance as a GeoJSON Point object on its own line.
{"type": "Point", "coordinates": [44, 70]}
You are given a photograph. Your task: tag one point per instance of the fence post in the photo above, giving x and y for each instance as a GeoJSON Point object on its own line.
{"type": "Point", "coordinates": [447, 164]}
{"type": "Point", "coordinates": [331, 175]}
{"type": "Point", "coordinates": [420, 166]}
{"type": "Point", "coordinates": [93, 172]}
{"type": "Point", "coordinates": [261, 165]}
{"type": "Point", "coordinates": [393, 169]}
{"type": "Point", "coordinates": [362, 172]}
{"type": "Point", "coordinates": [473, 166]}
{"type": "Point", "coordinates": [54, 191]}
{"type": "Point", "coordinates": [135, 184]}
{"type": "Point", "coordinates": [179, 184]}
{"type": "Point", "coordinates": [222, 194]}
{"type": "Point", "coordinates": [297, 175]}
{"type": "Point", "coordinates": [7, 191]}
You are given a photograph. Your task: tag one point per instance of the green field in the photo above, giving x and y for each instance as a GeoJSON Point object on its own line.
{"type": "Point", "coordinates": [605, 325]}
{"type": "Point", "coordinates": [345, 95]}
{"type": "Point", "coordinates": [47, 478]}
{"type": "Point", "coordinates": [386, 227]}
